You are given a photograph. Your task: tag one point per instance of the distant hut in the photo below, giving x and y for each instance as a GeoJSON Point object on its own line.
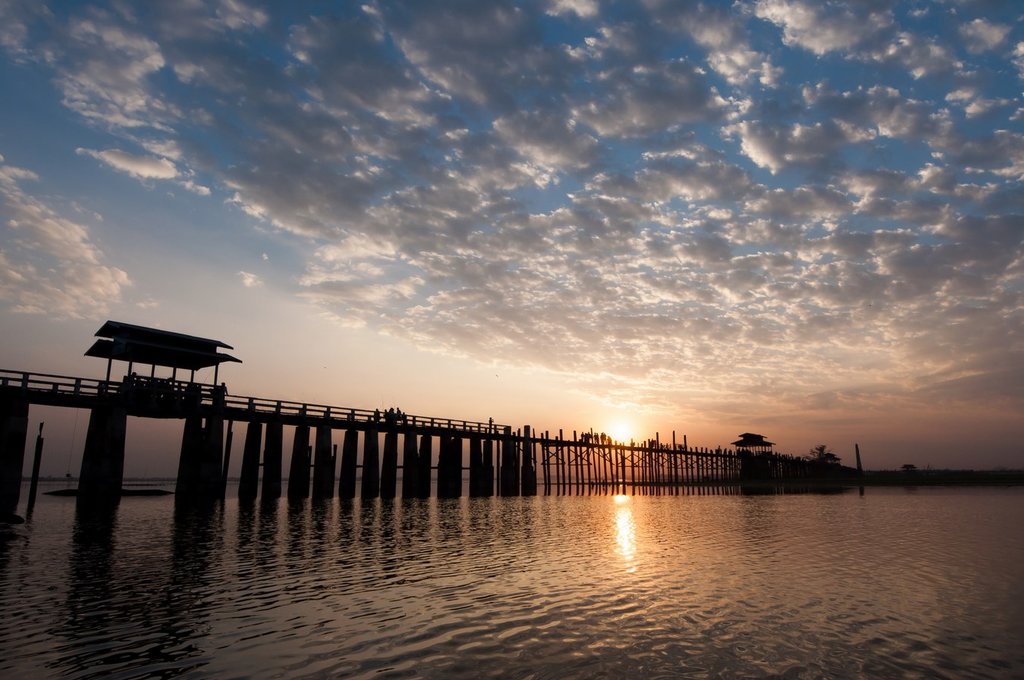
{"type": "Point", "coordinates": [753, 443]}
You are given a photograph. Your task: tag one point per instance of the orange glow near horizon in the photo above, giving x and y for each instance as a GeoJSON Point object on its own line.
{"type": "Point", "coordinates": [621, 430]}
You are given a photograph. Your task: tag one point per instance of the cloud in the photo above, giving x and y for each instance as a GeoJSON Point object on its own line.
{"type": "Point", "coordinates": [49, 264]}
{"type": "Point", "coordinates": [981, 35]}
{"type": "Point", "coordinates": [250, 280]}
{"type": "Point", "coordinates": [644, 196]}
{"type": "Point", "coordinates": [628, 102]}
{"type": "Point", "coordinates": [143, 167]}
{"type": "Point", "coordinates": [825, 27]}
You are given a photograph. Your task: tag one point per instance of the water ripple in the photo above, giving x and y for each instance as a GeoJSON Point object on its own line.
{"type": "Point", "coordinates": [796, 586]}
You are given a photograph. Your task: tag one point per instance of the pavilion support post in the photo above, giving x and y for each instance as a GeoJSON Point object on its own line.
{"type": "Point", "coordinates": [248, 482]}
{"type": "Point", "coordinates": [389, 465]}
{"type": "Point", "coordinates": [347, 477]}
{"type": "Point", "coordinates": [410, 466]}
{"type": "Point", "coordinates": [298, 471]}
{"type": "Point", "coordinates": [476, 467]}
{"type": "Point", "coordinates": [371, 465]}
{"type": "Point", "coordinates": [13, 435]}
{"type": "Point", "coordinates": [323, 463]}
{"type": "Point", "coordinates": [99, 482]}
{"type": "Point", "coordinates": [425, 463]}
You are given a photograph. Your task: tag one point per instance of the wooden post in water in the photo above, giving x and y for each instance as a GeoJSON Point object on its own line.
{"type": "Point", "coordinates": [509, 470]}
{"type": "Point", "coordinates": [410, 466]}
{"type": "Point", "coordinates": [423, 478]}
{"type": "Point", "coordinates": [455, 467]}
{"type": "Point", "coordinates": [227, 459]}
{"type": "Point", "coordinates": [323, 463]}
{"type": "Point", "coordinates": [248, 481]}
{"type": "Point", "coordinates": [371, 465]}
{"type": "Point", "coordinates": [103, 460]}
{"type": "Point", "coordinates": [13, 436]}
{"type": "Point", "coordinates": [37, 460]}
{"type": "Point", "coordinates": [389, 464]}
{"type": "Point", "coordinates": [529, 467]}
{"type": "Point", "coordinates": [349, 454]}
{"type": "Point", "coordinates": [487, 475]}
{"type": "Point", "coordinates": [476, 467]}
{"type": "Point", "coordinates": [298, 472]}
{"type": "Point", "coordinates": [273, 453]}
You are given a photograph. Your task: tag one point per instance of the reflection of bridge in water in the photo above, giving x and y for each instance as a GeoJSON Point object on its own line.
{"type": "Point", "coordinates": [499, 460]}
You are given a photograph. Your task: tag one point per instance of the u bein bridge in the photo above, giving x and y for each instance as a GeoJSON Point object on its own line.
{"type": "Point", "coordinates": [501, 461]}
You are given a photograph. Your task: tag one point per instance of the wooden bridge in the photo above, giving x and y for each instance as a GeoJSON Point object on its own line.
{"type": "Point", "coordinates": [499, 460]}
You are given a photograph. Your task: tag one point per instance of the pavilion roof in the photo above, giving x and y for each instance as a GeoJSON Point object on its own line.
{"type": "Point", "coordinates": [751, 439]}
{"type": "Point", "coordinates": [140, 344]}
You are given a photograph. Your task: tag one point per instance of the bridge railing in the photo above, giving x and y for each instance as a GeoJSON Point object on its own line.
{"type": "Point", "coordinates": [56, 384]}
{"type": "Point", "coordinates": [139, 387]}
{"type": "Point", "coordinates": [357, 415]}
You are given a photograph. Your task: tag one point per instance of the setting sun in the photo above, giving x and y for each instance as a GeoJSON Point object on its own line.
{"type": "Point", "coordinates": [620, 430]}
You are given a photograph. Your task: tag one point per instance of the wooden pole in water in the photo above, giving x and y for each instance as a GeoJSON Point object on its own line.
{"type": "Point", "coordinates": [389, 465]}
{"type": "Point", "coordinates": [410, 466]}
{"type": "Point", "coordinates": [423, 478]}
{"type": "Point", "coordinates": [487, 473]}
{"type": "Point", "coordinates": [349, 455]}
{"type": "Point", "coordinates": [273, 444]}
{"type": "Point", "coordinates": [227, 459]}
{"type": "Point", "coordinates": [298, 471]}
{"type": "Point", "coordinates": [248, 480]}
{"type": "Point", "coordinates": [36, 462]}
{"type": "Point", "coordinates": [371, 465]}
{"type": "Point", "coordinates": [323, 463]}
{"type": "Point", "coordinates": [476, 466]}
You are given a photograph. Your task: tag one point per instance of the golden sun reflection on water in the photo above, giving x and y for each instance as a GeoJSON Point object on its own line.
{"type": "Point", "coordinates": [625, 531]}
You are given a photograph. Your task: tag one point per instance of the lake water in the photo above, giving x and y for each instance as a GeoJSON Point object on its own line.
{"type": "Point", "coordinates": [896, 583]}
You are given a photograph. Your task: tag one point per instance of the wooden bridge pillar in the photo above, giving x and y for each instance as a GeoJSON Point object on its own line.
{"type": "Point", "coordinates": [371, 465]}
{"type": "Point", "coordinates": [410, 466]}
{"type": "Point", "coordinates": [424, 460]}
{"type": "Point", "coordinates": [103, 460]}
{"type": "Point", "coordinates": [529, 473]}
{"type": "Point", "coordinates": [187, 485]}
{"type": "Point", "coordinates": [389, 465]}
{"type": "Point", "coordinates": [273, 445]}
{"type": "Point", "coordinates": [476, 467]}
{"type": "Point", "coordinates": [13, 435]}
{"type": "Point", "coordinates": [451, 453]}
{"type": "Point", "coordinates": [249, 479]}
{"type": "Point", "coordinates": [298, 472]}
{"type": "Point", "coordinates": [211, 458]}
{"type": "Point", "coordinates": [323, 463]}
{"type": "Point", "coordinates": [509, 465]}
{"type": "Point", "coordinates": [347, 476]}
{"type": "Point", "coordinates": [487, 471]}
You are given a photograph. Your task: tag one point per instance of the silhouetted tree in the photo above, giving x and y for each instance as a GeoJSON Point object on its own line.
{"type": "Point", "coordinates": [821, 454]}
{"type": "Point", "coordinates": [909, 467]}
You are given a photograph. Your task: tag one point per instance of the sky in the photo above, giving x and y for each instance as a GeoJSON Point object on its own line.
{"type": "Point", "coordinates": [790, 217]}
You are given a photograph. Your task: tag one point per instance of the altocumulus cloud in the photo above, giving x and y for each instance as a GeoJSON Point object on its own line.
{"type": "Point", "coordinates": [775, 197]}
{"type": "Point", "coordinates": [49, 264]}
